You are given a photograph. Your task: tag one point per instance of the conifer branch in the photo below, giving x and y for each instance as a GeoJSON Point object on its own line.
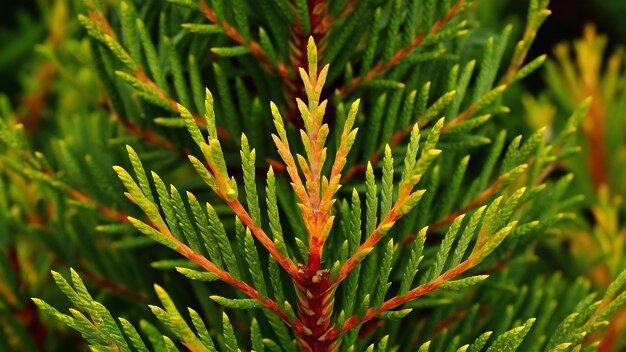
{"type": "Point", "coordinates": [407, 198]}
{"type": "Point", "coordinates": [248, 290]}
{"type": "Point", "coordinates": [162, 233]}
{"type": "Point", "coordinates": [536, 16]}
{"type": "Point", "coordinates": [218, 179]}
{"type": "Point", "coordinates": [404, 52]}
{"type": "Point", "coordinates": [115, 215]}
{"type": "Point", "coordinates": [254, 47]}
{"type": "Point", "coordinates": [108, 37]}
{"type": "Point", "coordinates": [392, 303]}
{"type": "Point", "coordinates": [512, 74]}
{"type": "Point", "coordinates": [146, 135]}
{"type": "Point", "coordinates": [260, 235]}
{"type": "Point", "coordinates": [322, 267]}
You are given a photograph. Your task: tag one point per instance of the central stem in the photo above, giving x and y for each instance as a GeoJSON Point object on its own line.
{"type": "Point", "coordinates": [315, 307]}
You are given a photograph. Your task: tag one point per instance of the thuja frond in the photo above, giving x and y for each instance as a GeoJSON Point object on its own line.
{"type": "Point", "coordinates": [416, 233]}
{"type": "Point", "coordinates": [325, 270]}
{"type": "Point", "coordinates": [103, 332]}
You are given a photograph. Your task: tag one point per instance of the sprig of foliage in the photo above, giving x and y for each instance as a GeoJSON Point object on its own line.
{"type": "Point", "coordinates": [315, 326]}
{"type": "Point", "coordinates": [417, 231]}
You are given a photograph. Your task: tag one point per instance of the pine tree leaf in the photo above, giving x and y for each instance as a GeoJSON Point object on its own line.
{"type": "Point", "coordinates": [461, 88]}
{"type": "Point", "coordinates": [413, 263]}
{"type": "Point", "coordinates": [203, 28]}
{"type": "Point", "coordinates": [492, 243]}
{"type": "Point", "coordinates": [374, 124]}
{"type": "Point", "coordinates": [256, 336]}
{"type": "Point", "coordinates": [230, 51]}
{"type": "Point", "coordinates": [167, 205]}
{"type": "Point", "coordinates": [444, 249]}
{"type": "Point", "coordinates": [411, 153]}
{"type": "Point", "coordinates": [469, 125]}
{"type": "Point", "coordinates": [383, 274]}
{"type": "Point", "coordinates": [371, 200]}
{"type": "Point", "coordinates": [145, 91]}
{"type": "Point", "coordinates": [133, 335]}
{"type": "Point", "coordinates": [171, 318]}
{"type": "Point", "coordinates": [303, 14]}
{"type": "Point", "coordinates": [529, 68]}
{"type": "Point", "coordinates": [184, 221]}
{"type": "Point", "coordinates": [268, 48]}
{"type": "Point", "coordinates": [248, 165]}
{"type": "Point", "coordinates": [152, 233]}
{"type": "Point", "coordinates": [154, 336]}
{"type": "Point", "coordinates": [206, 234]}
{"type": "Point", "coordinates": [424, 347]}
{"type": "Point", "coordinates": [480, 342]}
{"type": "Point", "coordinates": [372, 43]}
{"type": "Point", "coordinates": [219, 234]}
{"type": "Point", "coordinates": [129, 29]}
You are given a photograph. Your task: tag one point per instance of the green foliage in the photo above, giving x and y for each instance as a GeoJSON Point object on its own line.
{"type": "Point", "coordinates": [394, 213]}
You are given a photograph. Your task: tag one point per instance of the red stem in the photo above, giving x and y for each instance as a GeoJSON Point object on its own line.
{"type": "Point", "coordinates": [371, 241]}
{"type": "Point", "coordinates": [421, 290]}
{"type": "Point", "coordinates": [242, 286]}
{"type": "Point", "coordinates": [253, 46]}
{"type": "Point", "coordinates": [402, 53]}
{"type": "Point", "coordinates": [260, 235]}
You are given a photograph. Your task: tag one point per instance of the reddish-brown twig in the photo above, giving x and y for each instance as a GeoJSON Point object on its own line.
{"type": "Point", "coordinates": [253, 46]}
{"type": "Point", "coordinates": [367, 246]}
{"type": "Point", "coordinates": [260, 235]}
{"type": "Point", "coordinates": [402, 53]}
{"type": "Point", "coordinates": [103, 25]}
{"type": "Point", "coordinates": [517, 61]}
{"type": "Point", "coordinates": [392, 303]}
{"type": "Point", "coordinates": [115, 215]}
{"type": "Point", "coordinates": [483, 197]}
{"type": "Point", "coordinates": [242, 286]}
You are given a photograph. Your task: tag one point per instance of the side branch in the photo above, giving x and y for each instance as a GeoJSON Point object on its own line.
{"type": "Point", "coordinates": [369, 244]}
{"type": "Point", "coordinates": [402, 53]}
{"type": "Point", "coordinates": [107, 212]}
{"type": "Point", "coordinates": [397, 301]}
{"type": "Point", "coordinates": [253, 46]}
{"type": "Point", "coordinates": [517, 61]}
{"type": "Point", "coordinates": [103, 25]}
{"type": "Point", "coordinates": [141, 76]}
{"type": "Point", "coordinates": [242, 286]}
{"type": "Point", "coordinates": [260, 235]}
{"type": "Point", "coordinates": [483, 197]}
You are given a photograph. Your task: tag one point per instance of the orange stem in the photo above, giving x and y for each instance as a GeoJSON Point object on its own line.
{"type": "Point", "coordinates": [392, 303]}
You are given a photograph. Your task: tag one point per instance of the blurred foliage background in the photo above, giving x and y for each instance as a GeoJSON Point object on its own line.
{"type": "Point", "coordinates": [583, 60]}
